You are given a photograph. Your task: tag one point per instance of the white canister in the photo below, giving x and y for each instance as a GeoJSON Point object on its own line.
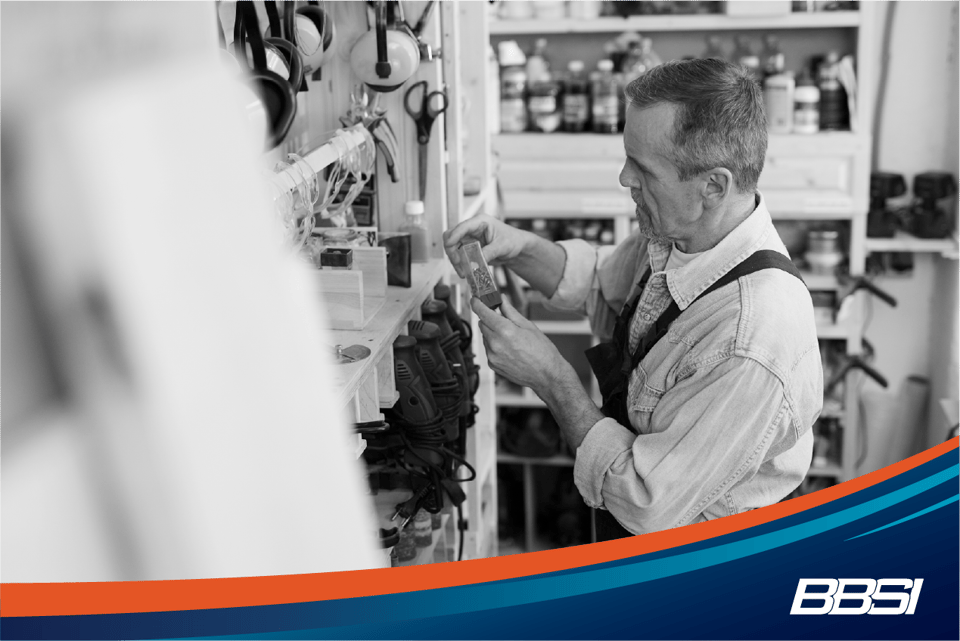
{"type": "Point", "coordinates": [584, 9]}
{"type": "Point", "coordinates": [550, 9]}
{"type": "Point", "coordinates": [515, 9]}
{"type": "Point", "coordinates": [778, 101]}
{"type": "Point", "coordinates": [806, 107]}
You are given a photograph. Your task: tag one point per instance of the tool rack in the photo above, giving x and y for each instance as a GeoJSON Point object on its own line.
{"type": "Point", "coordinates": [366, 387]}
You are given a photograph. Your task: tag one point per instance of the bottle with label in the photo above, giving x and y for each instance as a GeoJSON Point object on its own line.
{"type": "Point", "coordinates": [414, 225]}
{"type": "Point", "coordinates": [834, 112]}
{"type": "Point", "coordinates": [543, 104]}
{"type": "Point", "coordinates": [606, 100]}
{"type": "Point", "coordinates": [576, 98]}
{"type": "Point", "coordinates": [778, 102]}
{"type": "Point", "coordinates": [648, 56]}
{"type": "Point", "coordinates": [422, 529]}
{"type": "Point", "coordinates": [774, 62]}
{"type": "Point", "coordinates": [747, 56]}
{"type": "Point", "coordinates": [538, 66]}
{"type": "Point", "coordinates": [806, 105]}
{"type": "Point", "coordinates": [513, 88]}
{"type": "Point", "coordinates": [633, 65]}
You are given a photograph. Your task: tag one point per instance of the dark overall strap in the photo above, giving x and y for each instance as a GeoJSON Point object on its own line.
{"type": "Point", "coordinates": [606, 358]}
{"type": "Point", "coordinates": [763, 259]}
{"type": "Point", "coordinates": [613, 363]}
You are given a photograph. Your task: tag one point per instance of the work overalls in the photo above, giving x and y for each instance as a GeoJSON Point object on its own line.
{"type": "Point", "coordinates": [612, 362]}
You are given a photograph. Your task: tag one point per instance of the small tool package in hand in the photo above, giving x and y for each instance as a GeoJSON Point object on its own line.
{"type": "Point", "coordinates": [478, 274]}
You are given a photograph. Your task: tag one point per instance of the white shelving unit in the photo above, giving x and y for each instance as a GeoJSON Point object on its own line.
{"type": "Point", "coordinates": [465, 34]}
{"type": "Point", "coordinates": [707, 22]}
{"type": "Point", "coordinates": [818, 178]}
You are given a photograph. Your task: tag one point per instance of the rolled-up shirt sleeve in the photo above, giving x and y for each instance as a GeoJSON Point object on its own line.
{"type": "Point", "coordinates": [595, 282]}
{"type": "Point", "coordinates": [579, 280]}
{"type": "Point", "coordinates": [705, 434]}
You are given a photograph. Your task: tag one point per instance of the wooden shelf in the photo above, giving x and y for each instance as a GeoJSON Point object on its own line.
{"type": "Point", "coordinates": [557, 460]}
{"type": "Point", "coordinates": [380, 333]}
{"type": "Point", "coordinates": [904, 242]}
{"type": "Point", "coordinates": [707, 22]}
{"type": "Point", "coordinates": [563, 145]}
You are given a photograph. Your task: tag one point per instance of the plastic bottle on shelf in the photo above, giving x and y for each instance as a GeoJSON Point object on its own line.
{"type": "Point", "coordinates": [774, 62]}
{"type": "Point", "coordinates": [806, 105]}
{"type": "Point", "coordinates": [576, 98]}
{"type": "Point", "coordinates": [413, 224]}
{"type": "Point", "coordinates": [747, 56]}
{"type": "Point", "coordinates": [543, 104]}
{"type": "Point", "coordinates": [648, 55]}
{"type": "Point", "coordinates": [714, 48]}
{"type": "Point", "coordinates": [538, 66]}
{"type": "Point", "coordinates": [633, 65]}
{"type": "Point", "coordinates": [606, 100]}
{"type": "Point", "coordinates": [834, 112]}
{"type": "Point", "coordinates": [422, 529]}
{"type": "Point", "coordinates": [513, 88]}
{"type": "Point", "coordinates": [778, 102]}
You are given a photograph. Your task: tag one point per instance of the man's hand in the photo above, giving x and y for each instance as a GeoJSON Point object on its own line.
{"type": "Point", "coordinates": [536, 260]}
{"type": "Point", "coordinates": [501, 242]}
{"type": "Point", "coordinates": [516, 348]}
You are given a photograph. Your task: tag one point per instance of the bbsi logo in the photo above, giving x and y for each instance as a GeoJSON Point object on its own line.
{"type": "Point", "coordinates": [831, 601]}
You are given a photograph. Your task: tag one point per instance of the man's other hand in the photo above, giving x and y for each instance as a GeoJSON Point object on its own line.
{"type": "Point", "coordinates": [517, 349]}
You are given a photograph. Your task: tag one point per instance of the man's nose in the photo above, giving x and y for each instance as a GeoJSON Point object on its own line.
{"type": "Point", "coordinates": [627, 180]}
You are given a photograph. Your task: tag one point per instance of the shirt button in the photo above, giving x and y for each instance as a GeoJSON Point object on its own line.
{"type": "Point", "coordinates": [646, 316]}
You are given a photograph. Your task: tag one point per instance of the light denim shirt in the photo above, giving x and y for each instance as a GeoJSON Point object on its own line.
{"type": "Point", "coordinates": [723, 405]}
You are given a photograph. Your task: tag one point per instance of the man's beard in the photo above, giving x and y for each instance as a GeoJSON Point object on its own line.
{"type": "Point", "coordinates": [642, 217]}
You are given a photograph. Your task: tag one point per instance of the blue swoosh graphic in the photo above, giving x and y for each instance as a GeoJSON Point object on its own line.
{"type": "Point", "coordinates": [939, 505]}
{"type": "Point", "coordinates": [472, 598]}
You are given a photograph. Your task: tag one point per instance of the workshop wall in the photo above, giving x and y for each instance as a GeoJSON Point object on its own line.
{"type": "Point", "coordinates": [918, 133]}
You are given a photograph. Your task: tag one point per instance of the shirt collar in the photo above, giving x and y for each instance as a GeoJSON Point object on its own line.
{"type": "Point", "coordinates": [691, 280]}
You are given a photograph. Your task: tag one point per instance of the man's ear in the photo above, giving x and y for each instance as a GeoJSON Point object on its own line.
{"type": "Point", "coordinates": [717, 185]}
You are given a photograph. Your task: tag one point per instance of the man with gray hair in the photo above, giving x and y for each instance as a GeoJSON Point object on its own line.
{"type": "Point", "coordinates": [710, 370]}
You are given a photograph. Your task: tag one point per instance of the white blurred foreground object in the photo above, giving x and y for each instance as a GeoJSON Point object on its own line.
{"type": "Point", "coordinates": [198, 436]}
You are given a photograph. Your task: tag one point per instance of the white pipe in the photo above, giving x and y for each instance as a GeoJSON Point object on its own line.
{"type": "Point", "coordinates": [323, 156]}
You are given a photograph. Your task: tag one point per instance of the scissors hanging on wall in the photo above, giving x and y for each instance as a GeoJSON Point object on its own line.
{"type": "Point", "coordinates": [424, 108]}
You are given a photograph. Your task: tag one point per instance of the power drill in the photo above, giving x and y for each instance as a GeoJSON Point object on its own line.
{"type": "Point", "coordinates": [882, 222]}
{"type": "Point", "coordinates": [926, 219]}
